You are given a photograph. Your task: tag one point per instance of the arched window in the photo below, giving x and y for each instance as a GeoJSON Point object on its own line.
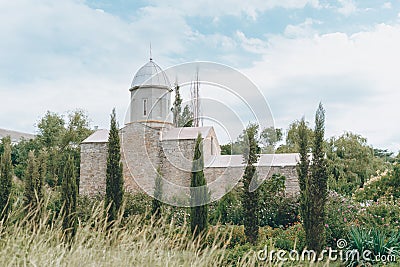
{"type": "Point", "coordinates": [145, 107]}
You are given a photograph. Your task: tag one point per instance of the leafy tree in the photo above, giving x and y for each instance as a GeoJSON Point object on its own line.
{"type": "Point", "coordinates": [350, 162]}
{"type": "Point", "coordinates": [69, 192]}
{"type": "Point", "coordinates": [51, 130]}
{"type": "Point", "coordinates": [313, 183]}
{"type": "Point", "coordinates": [277, 209]}
{"type": "Point", "coordinates": [198, 192]}
{"type": "Point", "coordinates": [292, 144]}
{"type": "Point", "coordinates": [270, 137]}
{"type": "Point", "coordinates": [156, 202]}
{"type": "Point", "coordinates": [250, 199]}
{"type": "Point", "coordinates": [114, 176]}
{"type": "Point", "coordinates": [6, 174]}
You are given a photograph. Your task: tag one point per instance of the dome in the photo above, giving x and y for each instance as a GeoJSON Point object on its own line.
{"type": "Point", "coordinates": [150, 74]}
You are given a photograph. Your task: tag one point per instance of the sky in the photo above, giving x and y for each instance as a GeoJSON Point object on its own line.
{"type": "Point", "coordinates": [69, 54]}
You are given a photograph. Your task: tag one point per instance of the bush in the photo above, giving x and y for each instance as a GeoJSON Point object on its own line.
{"type": "Point", "coordinates": [340, 212]}
{"type": "Point", "coordinates": [135, 204]}
{"type": "Point", "coordinates": [382, 214]}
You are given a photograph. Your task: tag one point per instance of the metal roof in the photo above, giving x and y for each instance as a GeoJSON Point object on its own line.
{"type": "Point", "coordinates": [150, 74]}
{"type": "Point", "coordinates": [15, 136]}
{"type": "Point", "coordinates": [99, 136]}
{"type": "Point", "coordinates": [276, 160]}
{"type": "Point", "coordinates": [185, 133]}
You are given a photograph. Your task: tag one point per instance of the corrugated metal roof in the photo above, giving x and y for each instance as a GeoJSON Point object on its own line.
{"type": "Point", "coordinates": [150, 74]}
{"type": "Point", "coordinates": [185, 133]}
{"type": "Point", "coordinates": [15, 136]}
{"type": "Point", "coordinates": [99, 136]}
{"type": "Point", "coordinates": [277, 160]}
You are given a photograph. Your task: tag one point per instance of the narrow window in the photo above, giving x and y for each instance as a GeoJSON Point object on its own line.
{"type": "Point", "coordinates": [144, 107]}
{"type": "Point", "coordinates": [212, 145]}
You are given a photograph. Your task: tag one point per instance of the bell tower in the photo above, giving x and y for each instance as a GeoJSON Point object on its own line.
{"type": "Point", "coordinates": [150, 96]}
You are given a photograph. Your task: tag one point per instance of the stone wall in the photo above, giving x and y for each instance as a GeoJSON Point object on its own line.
{"type": "Point", "coordinates": [93, 168]}
{"type": "Point", "coordinates": [142, 154]}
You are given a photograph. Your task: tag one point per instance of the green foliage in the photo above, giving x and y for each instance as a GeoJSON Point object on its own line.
{"type": "Point", "coordinates": [69, 192]}
{"type": "Point", "coordinates": [380, 244]}
{"type": "Point", "coordinates": [136, 204]}
{"type": "Point", "coordinates": [269, 137]}
{"type": "Point", "coordinates": [177, 107]}
{"type": "Point", "coordinates": [382, 214]}
{"type": "Point", "coordinates": [156, 202]}
{"type": "Point", "coordinates": [228, 210]}
{"type": "Point", "coordinates": [21, 151]}
{"type": "Point", "coordinates": [6, 175]}
{"type": "Point", "coordinates": [198, 191]}
{"type": "Point", "coordinates": [313, 182]}
{"type": "Point", "coordinates": [276, 209]}
{"type": "Point", "coordinates": [114, 176]}
{"type": "Point", "coordinates": [293, 139]}
{"type": "Point", "coordinates": [33, 193]}
{"type": "Point", "coordinates": [383, 184]}
{"type": "Point", "coordinates": [351, 162]}
{"type": "Point", "coordinates": [341, 213]}
{"type": "Point", "coordinates": [60, 138]}
{"type": "Point", "coordinates": [186, 118]}
{"type": "Point", "coordinates": [250, 197]}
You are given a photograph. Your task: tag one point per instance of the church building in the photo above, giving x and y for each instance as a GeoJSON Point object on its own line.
{"type": "Point", "coordinates": [151, 145]}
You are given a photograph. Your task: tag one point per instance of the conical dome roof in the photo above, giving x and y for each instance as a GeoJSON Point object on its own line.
{"type": "Point", "coordinates": [150, 74]}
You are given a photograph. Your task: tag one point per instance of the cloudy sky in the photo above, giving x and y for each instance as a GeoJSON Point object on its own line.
{"type": "Point", "coordinates": [68, 54]}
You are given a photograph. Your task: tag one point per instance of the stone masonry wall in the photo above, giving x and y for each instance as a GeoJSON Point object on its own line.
{"type": "Point", "coordinates": [93, 168]}
{"type": "Point", "coordinates": [142, 154]}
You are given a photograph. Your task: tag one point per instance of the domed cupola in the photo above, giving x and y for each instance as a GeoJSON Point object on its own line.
{"type": "Point", "coordinates": [150, 96]}
{"type": "Point", "coordinates": [149, 75]}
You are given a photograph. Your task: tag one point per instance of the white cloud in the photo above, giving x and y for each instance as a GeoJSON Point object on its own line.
{"type": "Point", "coordinates": [387, 5]}
{"type": "Point", "coordinates": [355, 76]}
{"type": "Point", "coordinates": [301, 30]}
{"type": "Point", "coordinates": [348, 7]}
{"type": "Point", "coordinates": [249, 8]}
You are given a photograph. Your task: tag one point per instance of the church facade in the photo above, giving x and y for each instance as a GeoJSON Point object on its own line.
{"type": "Point", "coordinates": [151, 146]}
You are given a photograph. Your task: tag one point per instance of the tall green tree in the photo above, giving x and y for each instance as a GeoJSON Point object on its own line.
{"type": "Point", "coordinates": [33, 186]}
{"type": "Point", "coordinates": [250, 197]}
{"type": "Point", "coordinates": [177, 107]}
{"type": "Point", "coordinates": [313, 183]}
{"type": "Point", "coordinates": [186, 118]}
{"type": "Point", "coordinates": [114, 175]}
{"type": "Point", "coordinates": [156, 202]}
{"type": "Point", "coordinates": [69, 192]}
{"type": "Point", "coordinates": [6, 174]}
{"type": "Point", "coordinates": [292, 141]}
{"type": "Point", "coordinates": [199, 194]}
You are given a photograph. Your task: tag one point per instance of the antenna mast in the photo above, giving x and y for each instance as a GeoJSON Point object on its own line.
{"type": "Point", "coordinates": [151, 57]}
{"type": "Point", "coordinates": [195, 95]}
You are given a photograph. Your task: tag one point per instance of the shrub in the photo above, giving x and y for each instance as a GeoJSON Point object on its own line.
{"type": "Point", "coordinates": [341, 212]}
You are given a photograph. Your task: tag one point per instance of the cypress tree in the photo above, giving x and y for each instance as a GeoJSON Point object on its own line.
{"type": "Point", "coordinates": [6, 173]}
{"type": "Point", "coordinates": [198, 192]}
{"type": "Point", "coordinates": [69, 192]}
{"type": "Point", "coordinates": [156, 203]}
{"type": "Point", "coordinates": [177, 107]}
{"type": "Point", "coordinates": [114, 176]}
{"type": "Point", "coordinates": [250, 198]}
{"type": "Point", "coordinates": [31, 194]}
{"type": "Point", "coordinates": [313, 183]}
